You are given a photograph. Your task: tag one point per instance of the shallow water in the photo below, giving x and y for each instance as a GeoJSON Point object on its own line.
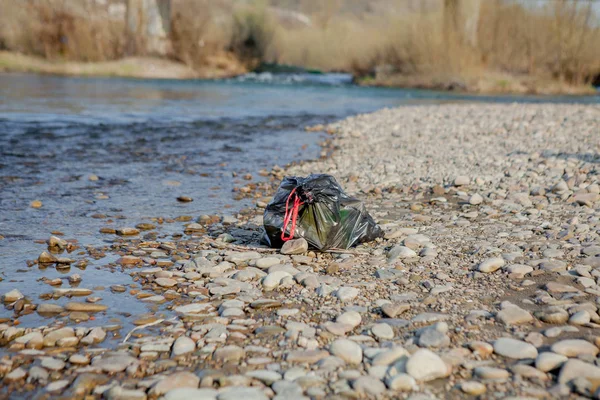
{"type": "Point", "coordinates": [149, 142]}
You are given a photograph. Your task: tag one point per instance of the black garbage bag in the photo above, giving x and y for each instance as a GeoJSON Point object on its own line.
{"type": "Point", "coordinates": [317, 209]}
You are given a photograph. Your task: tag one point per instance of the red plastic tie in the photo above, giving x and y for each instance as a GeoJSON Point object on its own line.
{"type": "Point", "coordinates": [291, 215]}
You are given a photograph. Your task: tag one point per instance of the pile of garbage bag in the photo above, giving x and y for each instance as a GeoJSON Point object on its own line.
{"type": "Point", "coordinates": [317, 209]}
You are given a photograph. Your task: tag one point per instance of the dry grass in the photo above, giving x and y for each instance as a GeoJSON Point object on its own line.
{"type": "Point", "coordinates": [61, 29]}
{"type": "Point", "coordinates": [522, 49]}
{"type": "Point", "coordinates": [399, 42]}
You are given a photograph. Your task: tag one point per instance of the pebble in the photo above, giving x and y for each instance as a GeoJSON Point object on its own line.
{"type": "Point", "coordinates": [392, 310]}
{"type": "Point", "coordinates": [512, 314]}
{"type": "Point", "coordinates": [347, 350]}
{"type": "Point", "coordinates": [85, 307]}
{"type": "Point", "coordinates": [513, 348]}
{"type": "Point", "coordinates": [165, 282]}
{"type": "Point", "coordinates": [346, 293]}
{"type": "Point", "coordinates": [382, 331]}
{"type": "Point", "coordinates": [491, 373]}
{"type": "Point", "coordinates": [229, 353]}
{"type": "Point", "coordinates": [267, 262]}
{"type": "Point", "coordinates": [177, 380]}
{"type": "Point", "coordinates": [274, 279]}
{"type": "Point", "coordinates": [368, 385]}
{"type": "Point", "coordinates": [126, 231]}
{"type": "Point", "coordinates": [387, 357]}
{"type": "Point", "coordinates": [350, 318]}
{"type": "Point", "coordinates": [400, 252]}
{"type": "Point", "coordinates": [12, 296]}
{"type": "Point", "coordinates": [295, 246]}
{"type": "Point", "coordinates": [401, 382]}
{"type": "Point", "coordinates": [182, 345]}
{"type": "Point", "coordinates": [424, 365]}
{"type": "Point", "coordinates": [265, 376]}
{"type": "Point", "coordinates": [473, 388]}
{"type": "Point", "coordinates": [246, 393]}
{"type": "Point", "coordinates": [191, 394]}
{"type": "Point", "coordinates": [47, 308]}
{"type": "Point", "coordinates": [491, 264]}
{"type": "Point", "coordinates": [580, 318]}
{"type": "Point", "coordinates": [574, 348]}
{"type": "Point", "coordinates": [53, 364]}
{"type": "Point", "coordinates": [15, 375]}
{"type": "Point", "coordinates": [120, 393]}
{"type": "Point", "coordinates": [475, 199]}
{"type": "Point", "coordinates": [575, 368]}
{"type": "Point", "coordinates": [57, 386]}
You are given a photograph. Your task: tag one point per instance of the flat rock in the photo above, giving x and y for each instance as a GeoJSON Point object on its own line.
{"type": "Point", "coordinates": [491, 373]}
{"type": "Point", "coordinates": [120, 393]}
{"type": "Point", "coordinates": [491, 264]}
{"type": "Point", "coordinates": [165, 282]}
{"type": "Point", "coordinates": [574, 348]}
{"type": "Point", "coordinates": [53, 364]}
{"type": "Point", "coordinates": [15, 375]}
{"type": "Point", "coordinates": [57, 386]}
{"type": "Point", "coordinates": [229, 353]}
{"type": "Point", "coordinates": [388, 357]}
{"type": "Point", "coordinates": [194, 308]}
{"type": "Point", "coordinates": [114, 362]}
{"type": "Point", "coordinates": [85, 307]}
{"type": "Point", "coordinates": [513, 348]}
{"type": "Point", "coordinates": [52, 337]}
{"type": "Point", "coordinates": [191, 394]}
{"type": "Point", "coordinates": [306, 356]}
{"type": "Point", "coordinates": [177, 380]}
{"type": "Point", "coordinates": [47, 308]}
{"type": "Point", "coordinates": [392, 310]}
{"type": "Point", "coordinates": [245, 393]}
{"type": "Point", "coordinates": [127, 231]}
{"type": "Point", "coordinates": [265, 376]}
{"type": "Point", "coordinates": [267, 262]}
{"type": "Point", "coordinates": [512, 314]}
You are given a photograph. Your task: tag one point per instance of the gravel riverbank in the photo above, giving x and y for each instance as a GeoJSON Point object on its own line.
{"type": "Point", "coordinates": [486, 283]}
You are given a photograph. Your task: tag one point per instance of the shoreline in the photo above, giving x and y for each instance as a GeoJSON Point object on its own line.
{"type": "Point", "coordinates": [490, 83]}
{"type": "Point", "coordinates": [468, 226]}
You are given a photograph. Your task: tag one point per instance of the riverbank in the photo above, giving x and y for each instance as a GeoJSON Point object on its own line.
{"type": "Point", "coordinates": [482, 83]}
{"type": "Point", "coordinates": [492, 235]}
{"type": "Point", "coordinates": [131, 67]}
{"type": "Point", "coordinates": [226, 66]}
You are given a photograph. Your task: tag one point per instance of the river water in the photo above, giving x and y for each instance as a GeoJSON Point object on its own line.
{"type": "Point", "coordinates": [148, 142]}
